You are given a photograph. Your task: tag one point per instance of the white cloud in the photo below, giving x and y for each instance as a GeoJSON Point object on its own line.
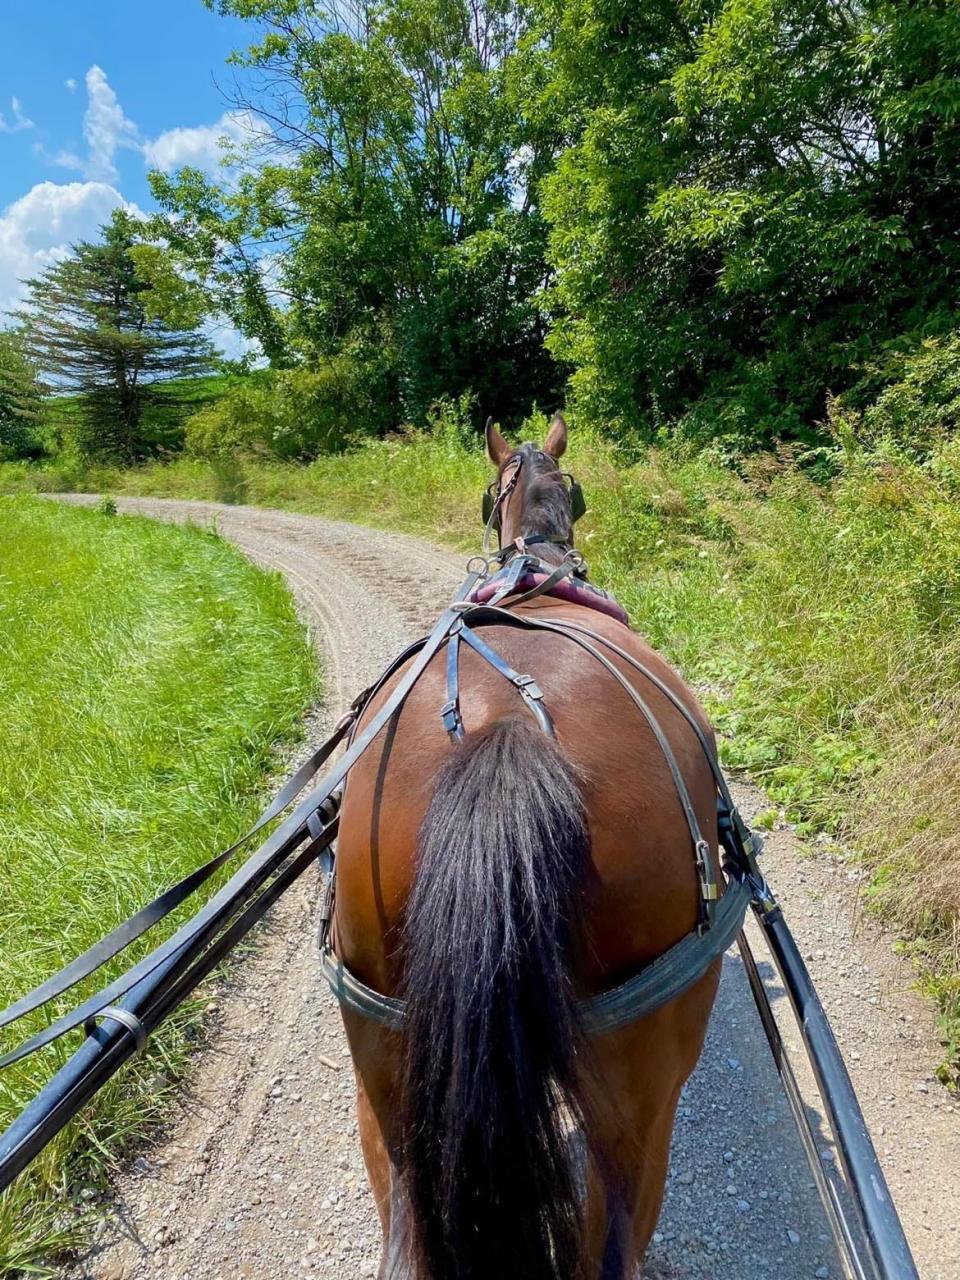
{"type": "Point", "coordinates": [202, 146]}
{"type": "Point", "coordinates": [39, 228]}
{"type": "Point", "coordinates": [70, 84]}
{"type": "Point", "coordinates": [105, 127]}
{"type": "Point", "coordinates": [231, 343]}
{"type": "Point", "coordinates": [106, 130]}
{"type": "Point", "coordinates": [65, 159]}
{"type": "Point", "coordinates": [20, 121]}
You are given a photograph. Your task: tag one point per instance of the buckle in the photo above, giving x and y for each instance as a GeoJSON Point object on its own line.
{"type": "Point", "coordinates": [450, 715]}
{"type": "Point", "coordinates": [708, 885]}
{"type": "Point", "coordinates": [753, 844]}
{"type": "Point", "coordinates": [529, 687]}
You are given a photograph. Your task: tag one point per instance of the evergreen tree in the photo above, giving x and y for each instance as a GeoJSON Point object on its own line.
{"type": "Point", "coordinates": [19, 398]}
{"type": "Point", "coordinates": [92, 331]}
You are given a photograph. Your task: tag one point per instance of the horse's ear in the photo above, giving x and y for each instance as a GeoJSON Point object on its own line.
{"type": "Point", "coordinates": [498, 451]}
{"type": "Point", "coordinates": [556, 438]}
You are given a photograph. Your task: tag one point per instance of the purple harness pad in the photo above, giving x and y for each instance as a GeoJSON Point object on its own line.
{"type": "Point", "coordinates": [589, 597]}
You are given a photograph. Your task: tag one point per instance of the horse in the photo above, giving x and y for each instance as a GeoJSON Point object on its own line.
{"type": "Point", "coordinates": [493, 882]}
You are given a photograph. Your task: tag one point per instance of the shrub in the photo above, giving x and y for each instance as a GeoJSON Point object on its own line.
{"type": "Point", "coordinates": [910, 402]}
{"type": "Point", "coordinates": [295, 413]}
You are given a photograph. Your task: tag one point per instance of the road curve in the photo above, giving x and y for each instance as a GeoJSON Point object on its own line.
{"type": "Point", "coordinates": [259, 1175]}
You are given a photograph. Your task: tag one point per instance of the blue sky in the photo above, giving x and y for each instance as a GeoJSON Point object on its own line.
{"type": "Point", "coordinates": [92, 94]}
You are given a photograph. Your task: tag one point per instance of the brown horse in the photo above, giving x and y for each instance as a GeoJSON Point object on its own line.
{"type": "Point", "coordinates": [491, 883]}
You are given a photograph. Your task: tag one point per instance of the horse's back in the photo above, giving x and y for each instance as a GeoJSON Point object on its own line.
{"type": "Point", "coordinates": [641, 892]}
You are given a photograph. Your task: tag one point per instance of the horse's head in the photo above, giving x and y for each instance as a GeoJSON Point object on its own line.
{"type": "Point", "coordinates": [531, 497]}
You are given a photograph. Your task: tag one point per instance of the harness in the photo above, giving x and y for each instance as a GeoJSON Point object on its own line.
{"type": "Point", "coordinates": [487, 599]}
{"type": "Point", "coordinates": [489, 596]}
{"type": "Point", "coordinates": [871, 1241]}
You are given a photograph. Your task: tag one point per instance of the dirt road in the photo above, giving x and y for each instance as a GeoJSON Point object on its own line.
{"type": "Point", "coordinates": [260, 1177]}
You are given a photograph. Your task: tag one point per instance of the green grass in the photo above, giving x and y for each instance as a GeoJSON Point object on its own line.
{"type": "Point", "coordinates": [822, 621]}
{"type": "Point", "coordinates": [147, 673]}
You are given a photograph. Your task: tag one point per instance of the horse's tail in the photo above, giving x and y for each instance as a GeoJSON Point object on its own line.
{"type": "Point", "coordinates": [490, 1082]}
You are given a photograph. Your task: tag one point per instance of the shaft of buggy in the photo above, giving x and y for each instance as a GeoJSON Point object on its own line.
{"type": "Point", "coordinates": [889, 1256]}
{"type": "Point", "coordinates": [108, 1046]}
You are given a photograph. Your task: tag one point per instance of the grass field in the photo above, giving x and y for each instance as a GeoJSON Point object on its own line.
{"type": "Point", "coordinates": [147, 673]}
{"type": "Point", "coordinates": [823, 620]}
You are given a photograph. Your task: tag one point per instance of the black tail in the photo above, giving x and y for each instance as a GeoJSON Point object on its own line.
{"type": "Point", "coordinates": [490, 1078]}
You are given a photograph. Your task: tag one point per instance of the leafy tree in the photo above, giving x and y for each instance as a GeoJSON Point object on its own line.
{"type": "Point", "coordinates": [20, 398]}
{"type": "Point", "coordinates": [385, 210]}
{"type": "Point", "coordinates": [92, 331]}
{"type": "Point", "coordinates": [757, 197]}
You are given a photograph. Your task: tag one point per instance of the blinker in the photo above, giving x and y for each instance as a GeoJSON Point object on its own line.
{"type": "Point", "coordinates": [488, 501]}
{"type": "Point", "coordinates": [578, 503]}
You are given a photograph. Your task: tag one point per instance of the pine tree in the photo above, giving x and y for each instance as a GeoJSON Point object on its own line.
{"type": "Point", "coordinates": [20, 398]}
{"type": "Point", "coordinates": [91, 333]}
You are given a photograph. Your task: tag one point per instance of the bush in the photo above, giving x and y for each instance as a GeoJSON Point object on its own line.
{"type": "Point", "coordinates": [910, 402]}
{"type": "Point", "coordinates": [295, 413]}
{"type": "Point", "coordinates": [744, 413]}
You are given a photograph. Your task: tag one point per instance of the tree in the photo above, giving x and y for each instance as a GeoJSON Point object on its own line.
{"type": "Point", "coordinates": [92, 331]}
{"type": "Point", "coordinates": [387, 211]}
{"type": "Point", "coordinates": [20, 398]}
{"type": "Point", "coordinates": [758, 196]}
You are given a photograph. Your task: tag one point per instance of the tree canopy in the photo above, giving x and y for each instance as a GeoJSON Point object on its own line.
{"type": "Point", "coordinates": [757, 197]}
{"type": "Point", "coordinates": [386, 212]}
{"type": "Point", "coordinates": [692, 219]}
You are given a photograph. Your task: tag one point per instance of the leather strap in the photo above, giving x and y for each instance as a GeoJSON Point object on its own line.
{"type": "Point", "coordinates": [252, 874]}
{"type": "Point", "coordinates": [511, 575]}
{"type": "Point", "coordinates": [450, 712]}
{"type": "Point", "coordinates": [525, 685]}
{"type": "Point", "coordinates": [516, 462]}
{"type": "Point", "coordinates": [563, 570]}
{"type": "Point", "coordinates": [657, 984]}
{"type": "Point", "coordinates": [141, 921]}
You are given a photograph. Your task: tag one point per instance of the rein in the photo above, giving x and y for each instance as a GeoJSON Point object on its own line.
{"type": "Point", "coordinates": [311, 828]}
{"type": "Point", "coordinates": [720, 918]}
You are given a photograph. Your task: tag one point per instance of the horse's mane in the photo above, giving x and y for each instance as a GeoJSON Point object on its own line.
{"type": "Point", "coordinates": [546, 500]}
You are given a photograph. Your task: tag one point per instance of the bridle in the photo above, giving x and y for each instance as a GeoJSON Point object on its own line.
{"type": "Point", "coordinates": [496, 494]}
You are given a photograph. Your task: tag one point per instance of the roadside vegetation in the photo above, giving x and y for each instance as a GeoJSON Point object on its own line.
{"type": "Point", "coordinates": [816, 600]}
{"type": "Point", "coordinates": [721, 233]}
{"type": "Point", "coordinates": [148, 674]}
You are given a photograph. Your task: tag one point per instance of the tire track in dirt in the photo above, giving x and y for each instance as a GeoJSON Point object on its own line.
{"type": "Point", "coordinates": [259, 1174]}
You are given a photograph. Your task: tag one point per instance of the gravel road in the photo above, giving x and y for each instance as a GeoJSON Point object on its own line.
{"type": "Point", "coordinates": [259, 1175]}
